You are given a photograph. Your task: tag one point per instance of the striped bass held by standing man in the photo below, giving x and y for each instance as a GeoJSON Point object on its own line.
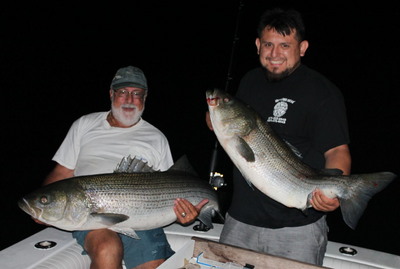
{"type": "Point", "coordinates": [307, 111]}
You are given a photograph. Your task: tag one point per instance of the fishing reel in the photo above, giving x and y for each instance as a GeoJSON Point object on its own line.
{"type": "Point", "coordinates": [217, 180]}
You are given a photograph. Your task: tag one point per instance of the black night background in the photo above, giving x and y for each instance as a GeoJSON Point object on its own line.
{"type": "Point", "coordinates": [58, 59]}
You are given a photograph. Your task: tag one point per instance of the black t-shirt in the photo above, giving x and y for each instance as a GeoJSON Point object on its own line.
{"type": "Point", "coordinates": [306, 110]}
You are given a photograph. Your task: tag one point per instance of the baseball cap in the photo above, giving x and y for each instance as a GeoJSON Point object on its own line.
{"type": "Point", "coordinates": [129, 77]}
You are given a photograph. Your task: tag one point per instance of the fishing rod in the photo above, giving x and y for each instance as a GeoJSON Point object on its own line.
{"type": "Point", "coordinates": [235, 39]}
{"type": "Point", "coordinates": [216, 179]}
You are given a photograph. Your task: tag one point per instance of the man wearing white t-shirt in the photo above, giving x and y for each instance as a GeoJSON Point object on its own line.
{"type": "Point", "coordinates": [94, 144]}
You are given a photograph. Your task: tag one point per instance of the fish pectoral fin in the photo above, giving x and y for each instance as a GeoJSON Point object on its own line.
{"type": "Point", "coordinates": [109, 219]}
{"type": "Point", "coordinates": [128, 232]}
{"type": "Point", "coordinates": [244, 150]}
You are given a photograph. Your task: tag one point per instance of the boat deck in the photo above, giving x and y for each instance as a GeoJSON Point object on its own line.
{"type": "Point", "coordinates": [39, 251]}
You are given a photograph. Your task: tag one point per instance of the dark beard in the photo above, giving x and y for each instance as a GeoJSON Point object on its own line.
{"type": "Point", "coordinates": [276, 77]}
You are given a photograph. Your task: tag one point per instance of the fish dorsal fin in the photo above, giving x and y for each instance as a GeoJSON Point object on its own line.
{"type": "Point", "coordinates": [133, 165]}
{"type": "Point", "coordinates": [244, 149]}
{"type": "Point", "coordinates": [182, 164]}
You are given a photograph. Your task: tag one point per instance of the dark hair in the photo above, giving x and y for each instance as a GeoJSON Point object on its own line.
{"type": "Point", "coordinates": [284, 22]}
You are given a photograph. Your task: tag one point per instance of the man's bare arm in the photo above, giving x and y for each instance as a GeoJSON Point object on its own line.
{"type": "Point", "coordinates": [59, 172]}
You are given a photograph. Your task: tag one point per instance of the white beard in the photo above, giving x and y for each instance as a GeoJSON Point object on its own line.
{"type": "Point", "coordinates": [126, 118]}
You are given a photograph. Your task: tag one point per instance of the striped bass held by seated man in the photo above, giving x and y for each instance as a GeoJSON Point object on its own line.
{"type": "Point", "coordinates": [122, 201]}
{"type": "Point", "coordinates": [94, 145]}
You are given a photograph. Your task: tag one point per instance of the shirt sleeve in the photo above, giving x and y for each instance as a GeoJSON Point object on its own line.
{"type": "Point", "coordinates": [67, 153]}
{"type": "Point", "coordinates": [330, 126]}
{"type": "Point", "coordinates": [166, 157]}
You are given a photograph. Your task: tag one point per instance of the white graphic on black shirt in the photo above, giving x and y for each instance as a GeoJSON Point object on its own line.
{"type": "Point", "coordinates": [280, 109]}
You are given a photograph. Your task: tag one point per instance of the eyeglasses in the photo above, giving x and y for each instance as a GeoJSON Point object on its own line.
{"type": "Point", "coordinates": [125, 94]}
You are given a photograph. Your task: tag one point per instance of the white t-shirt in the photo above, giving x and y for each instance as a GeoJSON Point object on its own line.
{"type": "Point", "coordinates": [92, 146]}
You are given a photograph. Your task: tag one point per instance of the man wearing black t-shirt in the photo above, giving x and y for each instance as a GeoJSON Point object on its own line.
{"type": "Point", "coordinates": [307, 111]}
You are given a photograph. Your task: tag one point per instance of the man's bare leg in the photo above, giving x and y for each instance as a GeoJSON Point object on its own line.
{"type": "Point", "coordinates": [105, 249]}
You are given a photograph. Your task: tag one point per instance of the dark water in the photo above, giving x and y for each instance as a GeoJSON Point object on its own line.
{"type": "Point", "coordinates": [58, 61]}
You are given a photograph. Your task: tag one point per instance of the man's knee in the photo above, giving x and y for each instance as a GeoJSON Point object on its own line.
{"type": "Point", "coordinates": [102, 244]}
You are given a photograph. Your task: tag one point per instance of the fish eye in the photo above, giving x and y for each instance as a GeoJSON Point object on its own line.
{"type": "Point", "coordinates": [43, 200]}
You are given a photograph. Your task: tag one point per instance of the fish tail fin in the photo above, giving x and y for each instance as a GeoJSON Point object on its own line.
{"type": "Point", "coordinates": [206, 215]}
{"type": "Point", "coordinates": [221, 218]}
{"type": "Point", "coordinates": [354, 200]}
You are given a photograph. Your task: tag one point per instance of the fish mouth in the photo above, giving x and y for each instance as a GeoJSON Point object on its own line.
{"type": "Point", "coordinates": [212, 98]}
{"type": "Point", "coordinates": [213, 101]}
{"type": "Point", "coordinates": [24, 205]}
